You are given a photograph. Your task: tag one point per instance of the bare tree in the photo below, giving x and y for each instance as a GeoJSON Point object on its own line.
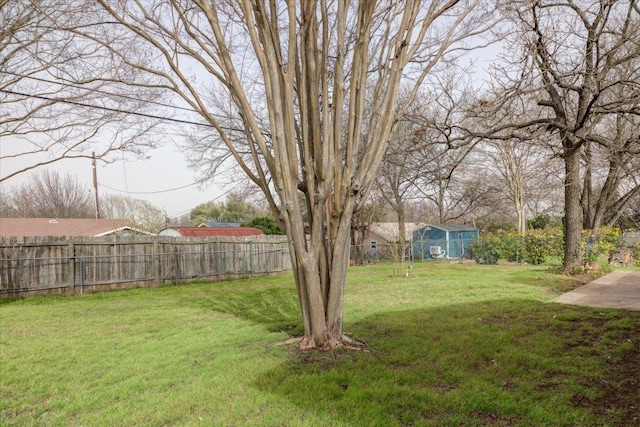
{"type": "Point", "coordinates": [53, 106]}
{"type": "Point", "coordinates": [612, 171]}
{"type": "Point", "coordinates": [48, 194]}
{"type": "Point", "coordinates": [297, 75]}
{"type": "Point", "coordinates": [527, 173]}
{"type": "Point", "coordinates": [141, 213]}
{"type": "Point", "coordinates": [443, 145]}
{"type": "Point", "coordinates": [578, 63]}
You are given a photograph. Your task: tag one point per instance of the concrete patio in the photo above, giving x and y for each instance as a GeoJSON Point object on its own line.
{"type": "Point", "coordinates": [619, 289]}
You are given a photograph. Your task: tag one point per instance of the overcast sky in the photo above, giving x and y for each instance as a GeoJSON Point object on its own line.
{"type": "Point", "coordinates": [166, 169]}
{"type": "Point", "coordinates": [164, 178]}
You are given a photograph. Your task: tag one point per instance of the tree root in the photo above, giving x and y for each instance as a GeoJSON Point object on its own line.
{"type": "Point", "coordinates": [306, 344]}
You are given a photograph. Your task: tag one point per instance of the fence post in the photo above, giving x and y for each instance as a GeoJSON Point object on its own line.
{"type": "Point", "coordinates": [81, 274]}
{"type": "Point", "coordinates": [218, 264]}
{"type": "Point", "coordinates": [251, 259]}
{"type": "Point", "coordinates": [72, 268]}
{"type": "Point", "coordinates": [156, 261]}
{"type": "Point", "coordinates": [175, 259]}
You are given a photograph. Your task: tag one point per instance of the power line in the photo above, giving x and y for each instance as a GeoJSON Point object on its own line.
{"type": "Point", "coordinates": [200, 181]}
{"type": "Point", "coordinates": [65, 84]}
{"type": "Point", "coordinates": [176, 215]}
{"type": "Point", "coordinates": [118, 110]}
{"type": "Point", "coordinates": [153, 192]}
{"type": "Point", "coordinates": [91, 89]}
{"type": "Point", "coordinates": [114, 110]}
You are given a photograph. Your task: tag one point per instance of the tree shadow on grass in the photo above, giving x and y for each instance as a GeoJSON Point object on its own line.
{"type": "Point", "coordinates": [276, 308]}
{"type": "Point", "coordinates": [493, 363]}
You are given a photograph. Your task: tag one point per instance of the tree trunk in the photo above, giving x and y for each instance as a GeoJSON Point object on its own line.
{"type": "Point", "coordinates": [573, 215]}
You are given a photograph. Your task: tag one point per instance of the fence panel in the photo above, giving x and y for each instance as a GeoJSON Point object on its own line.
{"type": "Point", "coordinates": [84, 265]}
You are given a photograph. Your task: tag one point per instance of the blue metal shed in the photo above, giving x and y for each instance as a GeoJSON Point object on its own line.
{"type": "Point", "coordinates": [443, 241]}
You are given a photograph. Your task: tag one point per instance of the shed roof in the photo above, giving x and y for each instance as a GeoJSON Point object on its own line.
{"type": "Point", "coordinates": [215, 231]}
{"type": "Point", "coordinates": [389, 230]}
{"type": "Point", "coordinates": [453, 227]}
{"type": "Point", "coordinates": [61, 227]}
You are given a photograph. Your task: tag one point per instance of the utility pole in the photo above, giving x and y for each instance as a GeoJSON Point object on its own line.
{"type": "Point", "coordinates": [95, 183]}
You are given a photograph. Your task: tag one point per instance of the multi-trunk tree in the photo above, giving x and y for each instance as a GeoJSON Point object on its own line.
{"type": "Point", "coordinates": [296, 76]}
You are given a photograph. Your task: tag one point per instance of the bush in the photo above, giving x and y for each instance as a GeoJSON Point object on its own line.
{"type": "Point", "coordinates": [265, 223]}
{"type": "Point", "coordinates": [484, 250]}
{"type": "Point", "coordinates": [600, 241]}
{"type": "Point", "coordinates": [536, 249]}
{"type": "Point", "coordinates": [533, 249]}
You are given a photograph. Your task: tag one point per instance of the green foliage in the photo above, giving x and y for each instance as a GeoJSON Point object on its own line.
{"type": "Point", "coordinates": [636, 254]}
{"type": "Point", "coordinates": [233, 209]}
{"type": "Point", "coordinates": [535, 249]}
{"type": "Point", "coordinates": [484, 250]}
{"type": "Point", "coordinates": [543, 221]}
{"type": "Point", "coordinates": [511, 247]}
{"type": "Point", "coordinates": [209, 211]}
{"type": "Point", "coordinates": [265, 223]}
{"type": "Point", "coordinates": [596, 243]}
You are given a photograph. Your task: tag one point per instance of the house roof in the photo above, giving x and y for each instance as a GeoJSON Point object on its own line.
{"type": "Point", "coordinates": [60, 227]}
{"type": "Point", "coordinates": [453, 227]}
{"type": "Point", "coordinates": [219, 224]}
{"type": "Point", "coordinates": [213, 231]}
{"type": "Point", "coordinates": [389, 230]}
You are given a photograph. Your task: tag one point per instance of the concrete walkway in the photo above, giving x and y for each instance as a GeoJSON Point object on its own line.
{"type": "Point", "coordinates": [620, 289]}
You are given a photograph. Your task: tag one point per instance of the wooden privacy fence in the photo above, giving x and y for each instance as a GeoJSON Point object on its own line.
{"type": "Point", "coordinates": [47, 265]}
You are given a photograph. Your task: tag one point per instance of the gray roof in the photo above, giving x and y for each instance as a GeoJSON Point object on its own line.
{"type": "Point", "coordinates": [453, 227]}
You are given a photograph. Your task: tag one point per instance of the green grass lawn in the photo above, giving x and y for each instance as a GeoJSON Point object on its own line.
{"type": "Point", "coordinates": [452, 345]}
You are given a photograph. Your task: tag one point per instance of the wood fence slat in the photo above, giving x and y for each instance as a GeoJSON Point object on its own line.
{"type": "Point", "coordinates": [45, 265]}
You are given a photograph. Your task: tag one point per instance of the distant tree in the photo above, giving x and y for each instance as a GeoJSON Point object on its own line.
{"type": "Point", "coordinates": [611, 179]}
{"type": "Point", "coordinates": [265, 223]}
{"type": "Point", "coordinates": [141, 213]}
{"type": "Point", "coordinates": [209, 211]}
{"type": "Point", "coordinates": [6, 211]}
{"type": "Point", "coordinates": [48, 194]}
{"type": "Point", "coordinates": [544, 221]}
{"type": "Point", "coordinates": [180, 221]}
{"type": "Point", "coordinates": [234, 209]}
{"type": "Point", "coordinates": [525, 172]}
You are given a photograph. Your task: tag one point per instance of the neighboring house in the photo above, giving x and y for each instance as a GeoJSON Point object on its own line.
{"type": "Point", "coordinates": [219, 224]}
{"type": "Point", "coordinates": [444, 241]}
{"type": "Point", "coordinates": [19, 228]}
{"type": "Point", "coordinates": [211, 232]}
{"type": "Point", "coordinates": [382, 238]}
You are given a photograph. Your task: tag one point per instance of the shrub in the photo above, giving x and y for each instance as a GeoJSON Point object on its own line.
{"type": "Point", "coordinates": [533, 249]}
{"type": "Point", "coordinates": [484, 250]}
{"type": "Point", "coordinates": [536, 249]}
{"type": "Point", "coordinates": [603, 240]}
{"type": "Point", "coordinates": [636, 254]}
{"type": "Point", "coordinates": [265, 223]}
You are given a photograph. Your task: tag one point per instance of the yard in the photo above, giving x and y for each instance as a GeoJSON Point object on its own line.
{"type": "Point", "coordinates": [453, 344]}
